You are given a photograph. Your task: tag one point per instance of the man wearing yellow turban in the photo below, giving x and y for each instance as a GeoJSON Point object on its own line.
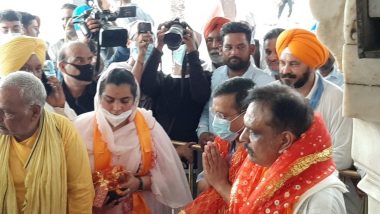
{"type": "Point", "coordinates": [301, 54]}
{"type": "Point", "coordinates": [17, 51]}
{"type": "Point", "coordinates": [28, 54]}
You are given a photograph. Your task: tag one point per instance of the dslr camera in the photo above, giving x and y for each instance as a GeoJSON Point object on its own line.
{"type": "Point", "coordinates": [173, 37]}
{"type": "Point", "coordinates": [109, 35]}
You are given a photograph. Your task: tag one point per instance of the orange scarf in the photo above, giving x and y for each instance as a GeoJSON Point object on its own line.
{"type": "Point", "coordinates": [103, 157]}
{"type": "Point", "coordinates": [210, 201]}
{"type": "Point", "coordinates": [277, 188]}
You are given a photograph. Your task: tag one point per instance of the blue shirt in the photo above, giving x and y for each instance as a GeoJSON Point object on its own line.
{"type": "Point", "coordinates": [220, 75]}
{"type": "Point", "coordinates": [336, 77]}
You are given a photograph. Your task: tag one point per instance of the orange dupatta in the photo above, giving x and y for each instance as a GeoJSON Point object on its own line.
{"type": "Point", "coordinates": [276, 189]}
{"type": "Point", "coordinates": [103, 157]}
{"type": "Point", "coordinates": [210, 201]}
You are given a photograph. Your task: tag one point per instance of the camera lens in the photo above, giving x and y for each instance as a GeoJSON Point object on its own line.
{"type": "Point", "coordinates": [173, 37]}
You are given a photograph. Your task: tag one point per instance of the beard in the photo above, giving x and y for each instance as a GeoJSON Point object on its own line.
{"type": "Point", "coordinates": [216, 58]}
{"type": "Point", "coordinates": [236, 63]}
{"type": "Point", "coordinates": [300, 82]}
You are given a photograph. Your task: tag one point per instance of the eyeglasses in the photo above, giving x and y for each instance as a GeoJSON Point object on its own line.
{"type": "Point", "coordinates": [221, 116]}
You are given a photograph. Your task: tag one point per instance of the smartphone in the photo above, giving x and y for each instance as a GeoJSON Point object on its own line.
{"type": "Point", "coordinates": [49, 69]}
{"type": "Point", "coordinates": [144, 27]}
{"type": "Point", "coordinates": [128, 11]}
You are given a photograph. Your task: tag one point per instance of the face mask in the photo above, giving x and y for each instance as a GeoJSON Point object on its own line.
{"type": "Point", "coordinates": [179, 54]}
{"type": "Point", "coordinates": [86, 72]}
{"type": "Point", "coordinates": [6, 37]}
{"type": "Point", "coordinates": [222, 128]}
{"type": "Point", "coordinates": [135, 52]}
{"type": "Point", "coordinates": [116, 120]}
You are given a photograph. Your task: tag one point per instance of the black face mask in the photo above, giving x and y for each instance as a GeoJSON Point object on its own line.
{"type": "Point", "coordinates": [86, 72]}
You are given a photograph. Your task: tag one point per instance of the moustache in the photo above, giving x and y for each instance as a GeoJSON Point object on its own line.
{"type": "Point", "coordinates": [288, 75]}
{"type": "Point", "coordinates": [214, 52]}
{"type": "Point", "coordinates": [234, 57]}
{"type": "Point", "coordinates": [249, 150]}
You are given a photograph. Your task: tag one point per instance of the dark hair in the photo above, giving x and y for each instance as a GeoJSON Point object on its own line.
{"type": "Point", "coordinates": [27, 18]}
{"type": "Point", "coordinates": [237, 27]}
{"type": "Point", "coordinates": [290, 110]}
{"type": "Point", "coordinates": [272, 34]}
{"type": "Point", "coordinates": [9, 15]}
{"type": "Point", "coordinates": [68, 6]}
{"type": "Point", "coordinates": [238, 86]}
{"type": "Point", "coordinates": [329, 64]}
{"type": "Point", "coordinates": [119, 76]}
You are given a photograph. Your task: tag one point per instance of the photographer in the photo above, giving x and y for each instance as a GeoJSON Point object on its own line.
{"type": "Point", "coordinates": [178, 98]}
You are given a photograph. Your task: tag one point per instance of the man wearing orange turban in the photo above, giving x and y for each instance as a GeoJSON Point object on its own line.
{"type": "Point", "coordinates": [301, 54]}
{"type": "Point", "coordinates": [213, 39]}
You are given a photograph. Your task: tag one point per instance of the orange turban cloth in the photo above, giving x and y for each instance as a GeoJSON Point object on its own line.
{"type": "Point", "coordinates": [16, 52]}
{"type": "Point", "coordinates": [304, 45]}
{"type": "Point", "coordinates": [214, 24]}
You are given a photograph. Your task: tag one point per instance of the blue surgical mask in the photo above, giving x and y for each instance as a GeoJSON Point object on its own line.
{"type": "Point", "coordinates": [135, 51]}
{"type": "Point", "coordinates": [179, 54]}
{"type": "Point", "coordinates": [222, 128]}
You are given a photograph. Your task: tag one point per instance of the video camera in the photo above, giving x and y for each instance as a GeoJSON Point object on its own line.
{"type": "Point", "coordinates": [109, 35]}
{"type": "Point", "coordinates": [173, 37]}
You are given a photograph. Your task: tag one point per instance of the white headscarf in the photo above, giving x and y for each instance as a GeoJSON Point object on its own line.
{"type": "Point", "coordinates": [103, 126]}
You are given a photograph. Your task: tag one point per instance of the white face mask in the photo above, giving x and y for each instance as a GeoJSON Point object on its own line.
{"type": "Point", "coordinates": [179, 54]}
{"type": "Point", "coordinates": [116, 120]}
{"type": "Point", "coordinates": [135, 51]}
{"type": "Point", "coordinates": [6, 37]}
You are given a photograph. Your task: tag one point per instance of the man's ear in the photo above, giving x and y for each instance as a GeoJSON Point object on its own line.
{"type": "Point", "coordinates": [36, 111]}
{"type": "Point", "coordinates": [61, 66]}
{"type": "Point", "coordinates": [287, 139]}
{"type": "Point", "coordinates": [252, 48]}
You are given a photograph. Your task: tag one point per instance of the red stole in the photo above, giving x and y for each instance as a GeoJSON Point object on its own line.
{"type": "Point", "coordinates": [277, 188]}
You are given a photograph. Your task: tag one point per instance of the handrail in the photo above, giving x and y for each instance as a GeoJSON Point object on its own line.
{"type": "Point", "coordinates": [196, 148]}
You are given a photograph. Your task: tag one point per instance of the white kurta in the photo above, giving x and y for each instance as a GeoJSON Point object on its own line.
{"type": "Point", "coordinates": [169, 188]}
{"type": "Point", "coordinates": [324, 198]}
{"type": "Point", "coordinates": [66, 111]}
{"type": "Point", "coordinates": [340, 128]}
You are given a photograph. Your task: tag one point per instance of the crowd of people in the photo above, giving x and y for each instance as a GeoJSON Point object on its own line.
{"type": "Point", "coordinates": [266, 114]}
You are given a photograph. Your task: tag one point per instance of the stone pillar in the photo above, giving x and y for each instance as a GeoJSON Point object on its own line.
{"type": "Point", "coordinates": [362, 102]}
{"type": "Point", "coordinates": [330, 15]}
{"type": "Point", "coordinates": [337, 29]}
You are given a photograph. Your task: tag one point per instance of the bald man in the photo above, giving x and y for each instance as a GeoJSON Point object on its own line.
{"type": "Point", "coordinates": [300, 55]}
{"type": "Point", "coordinates": [75, 61]}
